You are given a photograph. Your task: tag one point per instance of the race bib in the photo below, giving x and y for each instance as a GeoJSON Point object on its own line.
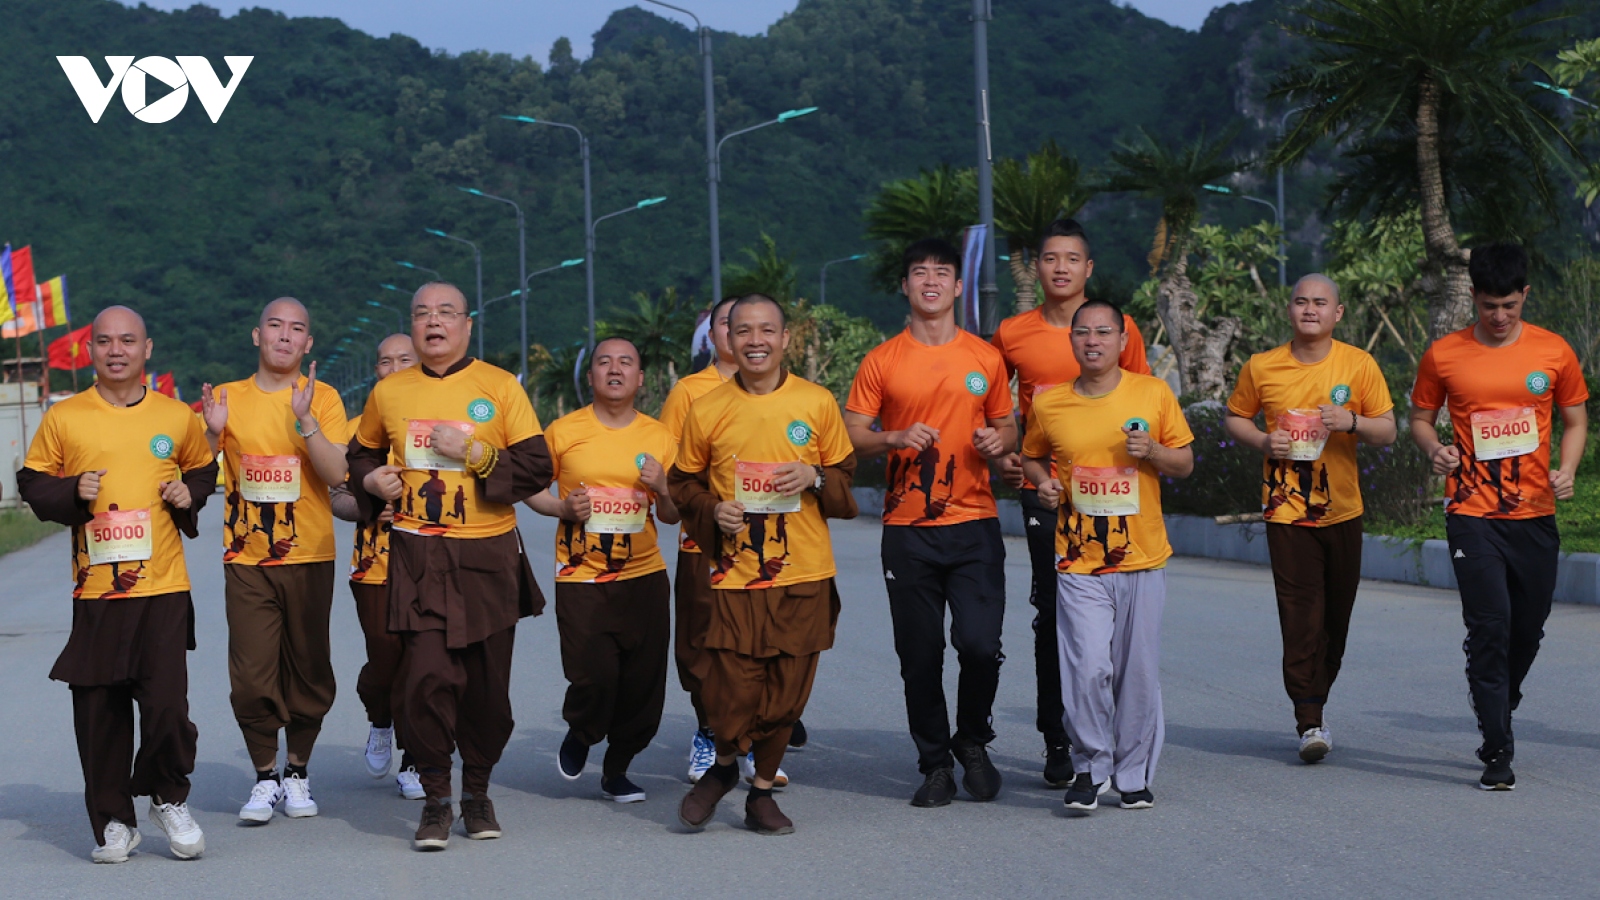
{"type": "Point", "coordinates": [1307, 434]}
{"type": "Point", "coordinates": [119, 536]}
{"type": "Point", "coordinates": [1504, 433]}
{"type": "Point", "coordinates": [617, 511]}
{"type": "Point", "coordinates": [419, 445]}
{"type": "Point", "coordinates": [269, 479]}
{"type": "Point", "coordinates": [1112, 491]}
{"type": "Point", "coordinates": [752, 486]}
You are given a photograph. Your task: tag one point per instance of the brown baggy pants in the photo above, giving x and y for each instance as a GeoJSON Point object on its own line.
{"type": "Point", "coordinates": [279, 660]}
{"type": "Point", "coordinates": [456, 698]}
{"type": "Point", "coordinates": [1316, 572]}
{"type": "Point", "coordinates": [378, 683]}
{"type": "Point", "coordinates": [614, 654]}
{"type": "Point", "coordinates": [692, 606]}
{"type": "Point", "coordinates": [754, 702]}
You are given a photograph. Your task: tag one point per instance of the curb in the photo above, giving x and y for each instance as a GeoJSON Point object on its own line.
{"type": "Point", "coordinates": [1383, 558]}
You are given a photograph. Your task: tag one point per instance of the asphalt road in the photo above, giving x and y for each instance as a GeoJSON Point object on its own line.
{"type": "Point", "coordinates": [1392, 812]}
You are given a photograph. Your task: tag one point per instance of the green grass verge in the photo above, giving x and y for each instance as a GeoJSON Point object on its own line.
{"type": "Point", "coordinates": [19, 529]}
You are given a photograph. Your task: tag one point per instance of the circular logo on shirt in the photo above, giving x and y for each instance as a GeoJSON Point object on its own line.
{"type": "Point", "coordinates": [638, 461]}
{"type": "Point", "coordinates": [977, 384]}
{"type": "Point", "coordinates": [798, 433]}
{"type": "Point", "coordinates": [480, 410]}
{"type": "Point", "coordinates": [161, 447]}
{"type": "Point", "coordinates": [1137, 424]}
{"type": "Point", "coordinates": [1538, 383]}
{"type": "Point", "coordinates": [1340, 395]}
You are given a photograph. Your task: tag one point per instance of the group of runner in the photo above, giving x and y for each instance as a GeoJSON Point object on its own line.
{"type": "Point", "coordinates": [751, 461]}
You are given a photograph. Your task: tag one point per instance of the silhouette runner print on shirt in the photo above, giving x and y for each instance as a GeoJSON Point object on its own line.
{"type": "Point", "coordinates": [925, 464]}
{"type": "Point", "coordinates": [756, 540]}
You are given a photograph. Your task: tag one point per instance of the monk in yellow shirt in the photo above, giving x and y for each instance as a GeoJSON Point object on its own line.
{"type": "Point", "coordinates": [764, 461]}
{"type": "Point", "coordinates": [127, 469]}
{"type": "Point", "coordinates": [610, 463]}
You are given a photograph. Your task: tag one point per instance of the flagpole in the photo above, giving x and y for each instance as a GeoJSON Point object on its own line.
{"type": "Point", "coordinates": [22, 400]}
{"type": "Point", "coordinates": [74, 361]}
{"type": "Point", "coordinates": [44, 355]}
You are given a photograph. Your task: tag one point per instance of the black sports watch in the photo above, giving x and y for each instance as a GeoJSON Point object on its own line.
{"type": "Point", "coordinates": [822, 477]}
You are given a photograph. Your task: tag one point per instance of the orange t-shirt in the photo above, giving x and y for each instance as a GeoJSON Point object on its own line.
{"type": "Point", "coordinates": [1318, 487]}
{"type": "Point", "coordinates": [676, 410]}
{"type": "Point", "coordinates": [955, 388]}
{"type": "Point", "coordinates": [278, 513]}
{"type": "Point", "coordinates": [619, 540]}
{"type": "Point", "coordinates": [1501, 400]}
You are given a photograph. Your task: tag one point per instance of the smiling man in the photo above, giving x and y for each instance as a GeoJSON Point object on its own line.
{"type": "Point", "coordinates": [941, 398]}
{"type": "Point", "coordinates": [610, 463]}
{"type": "Point", "coordinates": [1503, 379]}
{"type": "Point", "coordinates": [764, 463]}
{"type": "Point", "coordinates": [1319, 397]}
{"type": "Point", "coordinates": [282, 438]}
{"type": "Point", "coordinates": [126, 500]}
{"type": "Point", "coordinates": [458, 579]}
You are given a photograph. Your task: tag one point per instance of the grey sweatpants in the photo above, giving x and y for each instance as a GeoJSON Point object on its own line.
{"type": "Point", "coordinates": [1110, 642]}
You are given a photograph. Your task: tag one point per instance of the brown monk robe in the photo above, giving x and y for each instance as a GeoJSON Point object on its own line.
{"type": "Point", "coordinates": [764, 461]}
{"type": "Point", "coordinates": [457, 584]}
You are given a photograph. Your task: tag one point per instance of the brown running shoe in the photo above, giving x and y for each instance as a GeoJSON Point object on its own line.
{"type": "Point", "coordinates": [762, 815]}
{"type": "Point", "coordinates": [700, 804]}
{"type": "Point", "coordinates": [434, 832]}
{"type": "Point", "coordinates": [477, 818]}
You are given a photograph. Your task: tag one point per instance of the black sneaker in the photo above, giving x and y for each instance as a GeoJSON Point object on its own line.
{"type": "Point", "coordinates": [1058, 763]}
{"type": "Point", "coordinates": [1138, 799]}
{"type": "Point", "coordinates": [1497, 773]}
{"type": "Point", "coordinates": [574, 754]}
{"type": "Point", "coordinates": [621, 789]}
{"type": "Point", "coordinates": [978, 774]}
{"type": "Point", "coordinates": [798, 737]}
{"type": "Point", "coordinates": [1083, 795]}
{"type": "Point", "coordinates": [938, 788]}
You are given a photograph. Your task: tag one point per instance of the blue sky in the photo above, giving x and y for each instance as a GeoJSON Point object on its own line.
{"type": "Point", "coordinates": [523, 28]}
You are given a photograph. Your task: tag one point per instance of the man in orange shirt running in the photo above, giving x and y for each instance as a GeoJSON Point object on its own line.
{"type": "Point", "coordinates": [1037, 348]}
{"type": "Point", "coordinates": [944, 404]}
{"type": "Point", "coordinates": [1502, 379]}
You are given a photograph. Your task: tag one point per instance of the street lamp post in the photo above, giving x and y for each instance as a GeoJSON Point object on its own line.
{"type": "Point", "coordinates": [399, 323]}
{"type": "Point", "coordinates": [416, 268]}
{"type": "Point", "coordinates": [822, 297]}
{"type": "Point", "coordinates": [589, 242]}
{"type": "Point", "coordinates": [522, 276]}
{"type": "Point", "coordinates": [1277, 219]}
{"type": "Point", "coordinates": [988, 290]}
{"type": "Point", "coordinates": [716, 178]}
{"type": "Point", "coordinates": [1567, 94]}
{"type": "Point", "coordinates": [588, 210]}
{"type": "Point", "coordinates": [477, 261]}
{"type": "Point", "coordinates": [709, 85]}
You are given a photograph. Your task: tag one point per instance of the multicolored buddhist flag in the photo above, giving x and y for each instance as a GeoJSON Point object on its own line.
{"type": "Point", "coordinates": [8, 302]}
{"type": "Point", "coordinates": [53, 301]}
{"type": "Point", "coordinates": [25, 322]}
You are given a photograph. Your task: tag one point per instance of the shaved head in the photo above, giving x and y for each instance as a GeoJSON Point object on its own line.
{"type": "Point", "coordinates": [120, 320]}
{"type": "Point", "coordinates": [394, 345]}
{"type": "Point", "coordinates": [1319, 280]}
{"type": "Point", "coordinates": [599, 350]}
{"type": "Point", "coordinates": [286, 308]}
{"type": "Point", "coordinates": [438, 292]}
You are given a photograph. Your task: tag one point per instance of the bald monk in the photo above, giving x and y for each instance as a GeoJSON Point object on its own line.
{"type": "Point", "coordinates": [282, 436]}
{"type": "Point", "coordinates": [126, 501]}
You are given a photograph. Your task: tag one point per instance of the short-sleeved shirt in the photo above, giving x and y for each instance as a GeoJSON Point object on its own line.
{"type": "Point", "coordinates": [1501, 401]}
{"type": "Point", "coordinates": [676, 410]}
{"type": "Point", "coordinates": [139, 446]}
{"type": "Point", "coordinates": [587, 453]}
{"type": "Point", "coordinates": [1084, 437]}
{"type": "Point", "coordinates": [278, 512]}
{"type": "Point", "coordinates": [439, 496]}
{"type": "Point", "coordinates": [733, 436]}
{"type": "Point", "coordinates": [1325, 490]}
{"type": "Point", "coordinates": [955, 388]}
{"type": "Point", "coordinates": [369, 559]}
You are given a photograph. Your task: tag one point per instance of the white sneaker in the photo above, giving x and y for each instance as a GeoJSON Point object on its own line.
{"type": "Point", "coordinates": [297, 802]}
{"type": "Point", "coordinates": [119, 842]}
{"type": "Point", "coordinates": [702, 755]}
{"type": "Point", "coordinates": [264, 797]}
{"type": "Point", "coordinates": [747, 769]}
{"type": "Point", "coordinates": [183, 833]}
{"type": "Point", "coordinates": [1315, 744]}
{"type": "Point", "coordinates": [410, 783]}
{"type": "Point", "coordinates": [380, 751]}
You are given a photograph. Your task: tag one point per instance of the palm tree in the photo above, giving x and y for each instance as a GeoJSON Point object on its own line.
{"type": "Point", "coordinates": [937, 203]}
{"type": "Point", "coordinates": [769, 272]}
{"type": "Point", "coordinates": [1175, 175]}
{"type": "Point", "coordinates": [1436, 99]}
{"type": "Point", "coordinates": [555, 379]}
{"type": "Point", "coordinates": [662, 328]}
{"type": "Point", "coordinates": [1028, 196]}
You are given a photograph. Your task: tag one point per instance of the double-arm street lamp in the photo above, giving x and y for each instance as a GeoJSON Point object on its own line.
{"type": "Point", "coordinates": [1277, 219]}
{"type": "Point", "coordinates": [716, 178]}
{"type": "Point", "coordinates": [477, 261]}
{"type": "Point", "coordinates": [522, 276]}
{"type": "Point", "coordinates": [589, 242]}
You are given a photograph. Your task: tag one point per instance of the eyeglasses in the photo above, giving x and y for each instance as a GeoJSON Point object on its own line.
{"type": "Point", "coordinates": [447, 316]}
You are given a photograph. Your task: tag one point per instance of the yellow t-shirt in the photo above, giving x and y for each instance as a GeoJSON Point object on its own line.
{"type": "Point", "coordinates": [369, 558]}
{"type": "Point", "coordinates": [440, 496]}
{"type": "Point", "coordinates": [139, 446]}
{"type": "Point", "coordinates": [735, 436]}
{"type": "Point", "coordinates": [1110, 519]}
{"type": "Point", "coordinates": [1320, 488]}
{"type": "Point", "coordinates": [619, 541]}
{"type": "Point", "coordinates": [676, 410]}
{"type": "Point", "coordinates": [278, 509]}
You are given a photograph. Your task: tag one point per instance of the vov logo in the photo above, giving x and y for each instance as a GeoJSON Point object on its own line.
{"type": "Point", "coordinates": [132, 77]}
